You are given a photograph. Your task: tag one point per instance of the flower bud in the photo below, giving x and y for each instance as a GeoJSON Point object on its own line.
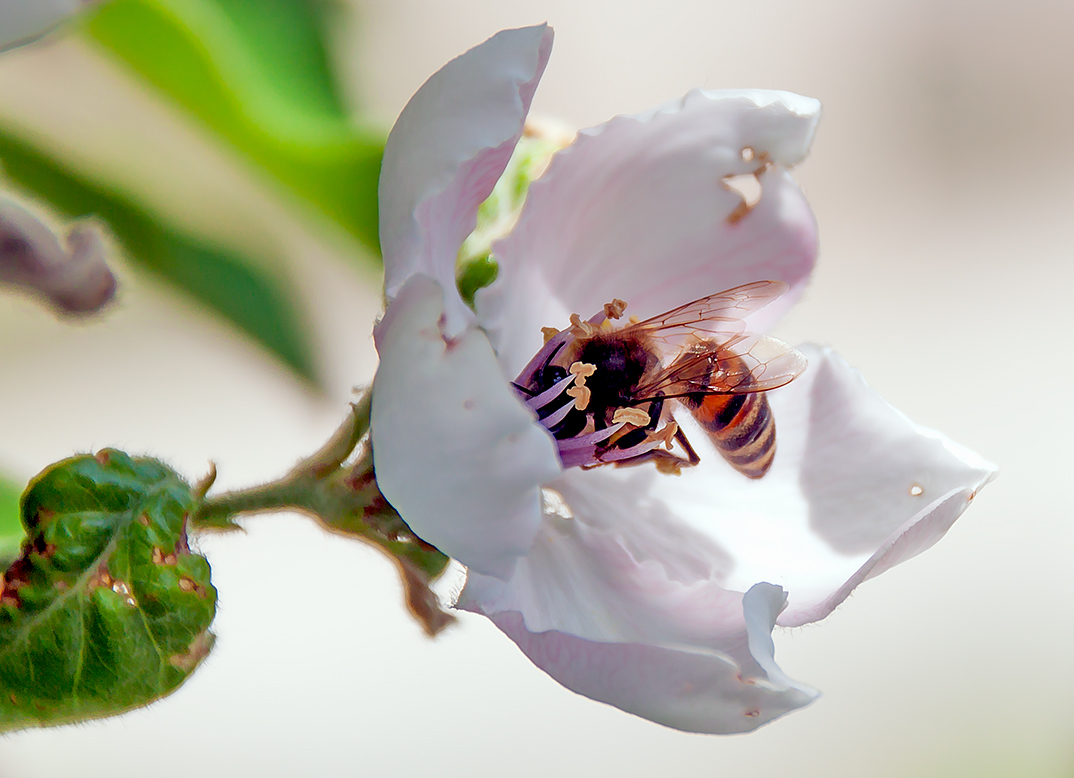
{"type": "Point", "coordinates": [24, 21]}
{"type": "Point", "coordinates": [65, 265]}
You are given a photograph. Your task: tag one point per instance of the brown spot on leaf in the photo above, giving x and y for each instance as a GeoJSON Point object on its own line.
{"type": "Point", "coordinates": [197, 651]}
{"type": "Point", "coordinates": [187, 584]}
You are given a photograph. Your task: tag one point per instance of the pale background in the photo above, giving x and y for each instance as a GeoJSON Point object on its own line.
{"type": "Point", "coordinates": [940, 177]}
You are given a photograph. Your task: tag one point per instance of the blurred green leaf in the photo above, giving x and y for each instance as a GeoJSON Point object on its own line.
{"type": "Point", "coordinates": [107, 608]}
{"type": "Point", "coordinates": [240, 290]}
{"type": "Point", "coordinates": [11, 533]}
{"type": "Point", "coordinates": [258, 74]}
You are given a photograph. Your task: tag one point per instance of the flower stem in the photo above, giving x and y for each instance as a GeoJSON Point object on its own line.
{"type": "Point", "coordinates": [297, 489]}
{"type": "Point", "coordinates": [344, 498]}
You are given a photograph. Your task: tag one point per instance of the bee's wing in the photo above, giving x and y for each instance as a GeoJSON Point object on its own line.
{"type": "Point", "coordinates": [742, 363]}
{"type": "Point", "coordinates": [718, 314]}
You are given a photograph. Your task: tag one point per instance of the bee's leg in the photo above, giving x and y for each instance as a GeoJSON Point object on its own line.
{"type": "Point", "coordinates": [692, 457]}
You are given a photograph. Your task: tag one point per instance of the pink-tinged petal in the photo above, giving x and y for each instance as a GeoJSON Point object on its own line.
{"type": "Point", "coordinates": [691, 690]}
{"type": "Point", "coordinates": [67, 266]}
{"type": "Point", "coordinates": [455, 451]}
{"type": "Point", "coordinates": [22, 21]}
{"type": "Point", "coordinates": [855, 487]}
{"type": "Point", "coordinates": [639, 209]}
{"type": "Point", "coordinates": [610, 564]}
{"type": "Point", "coordinates": [630, 555]}
{"type": "Point", "coordinates": [878, 486]}
{"type": "Point", "coordinates": [447, 150]}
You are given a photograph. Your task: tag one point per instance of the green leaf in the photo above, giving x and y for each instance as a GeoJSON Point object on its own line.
{"type": "Point", "coordinates": [258, 74]}
{"type": "Point", "coordinates": [11, 533]}
{"type": "Point", "coordinates": [238, 289]}
{"type": "Point", "coordinates": [107, 609]}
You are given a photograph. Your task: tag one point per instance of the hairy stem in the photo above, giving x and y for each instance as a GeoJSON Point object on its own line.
{"type": "Point", "coordinates": [301, 488]}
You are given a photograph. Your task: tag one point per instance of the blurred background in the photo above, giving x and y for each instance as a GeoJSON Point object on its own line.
{"type": "Point", "coordinates": [939, 178]}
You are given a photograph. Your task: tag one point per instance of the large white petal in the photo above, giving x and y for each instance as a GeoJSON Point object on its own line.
{"type": "Point", "coordinates": [21, 21]}
{"type": "Point", "coordinates": [630, 555]}
{"type": "Point", "coordinates": [455, 451]}
{"type": "Point", "coordinates": [695, 690]}
{"type": "Point", "coordinates": [637, 208]}
{"type": "Point", "coordinates": [445, 154]}
{"type": "Point", "coordinates": [855, 487]}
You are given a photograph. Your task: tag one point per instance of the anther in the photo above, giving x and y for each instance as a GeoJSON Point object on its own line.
{"type": "Point", "coordinates": [614, 309]}
{"type": "Point", "coordinates": [581, 328]}
{"type": "Point", "coordinates": [581, 395]}
{"type": "Point", "coordinates": [666, 434]}
{"type": "Point", "coordinates": [549, 333]}
{"type": "Point", "coordinates": [634, 416]}
{"type": "Point", "coordinates": [633, 319]}
{"type": "Point", "coordinates": [582, 370]}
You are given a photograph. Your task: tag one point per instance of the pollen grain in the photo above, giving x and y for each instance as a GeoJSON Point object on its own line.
{"type": "Point", "coordinates": [581, 328]}
{"type": "Point", "coordinates": [666, 434]}
{"type": "Point", "coordinates": [582, 371]}
{"type": "Point", "coordinates": [581, 395]}
{"type": "Point", "coordinates": [614, 309]}
{"type": "Point", "coordinates": [635, 416]}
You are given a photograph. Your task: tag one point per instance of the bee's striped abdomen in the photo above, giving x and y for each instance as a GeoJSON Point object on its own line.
{"type": "Point", "coordinates": [740, 426]}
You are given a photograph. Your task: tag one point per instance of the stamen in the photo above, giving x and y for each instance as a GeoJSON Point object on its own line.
{"type": "Point", "coordinates": [581, 395]}
{"type": "Point", "coordinates": [614, 309]}
{"type": "Point", "coordinates": [633, 320]}
{"type": "Point", "coordinates": [551, 393]}
{"type": "Point", "coordinates": [591, 440]}
{"type": "Point", "coordinates": [634, 416]}
{"type": "Point", "coordinates": [665, 434]}
{"type": "Point", "coordinates": [549, 333]}
{"type": "Point", "coordinates": [552, 419]}
{"type": "Point", "coordinates": [619, 454]}
{"type": "Point", "coordinates": [581, 328]}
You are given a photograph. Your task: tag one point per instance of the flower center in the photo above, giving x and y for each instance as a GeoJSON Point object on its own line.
{"type": "Point", "coordinates": [583, 387]}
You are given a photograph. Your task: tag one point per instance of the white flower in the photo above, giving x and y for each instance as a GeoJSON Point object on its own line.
{"type": "Point", "coordinates": [22, 21]}
{"type": "Point", "coordinates": [652, 592]}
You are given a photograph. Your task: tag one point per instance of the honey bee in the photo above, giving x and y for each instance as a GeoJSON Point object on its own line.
{"type": "Point", "coordinates": [616, 407]}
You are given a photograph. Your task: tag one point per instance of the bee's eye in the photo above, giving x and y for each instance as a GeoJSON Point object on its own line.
{"type": "Point", "coordinates": [550, 374]}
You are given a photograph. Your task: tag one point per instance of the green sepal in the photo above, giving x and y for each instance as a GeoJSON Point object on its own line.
{"type": "Point", "coordinates": [475, 264]}
{"type": "Point", "coordinates": [107, 608]}
{"type": "Point", "coordinates": [476, 274]}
